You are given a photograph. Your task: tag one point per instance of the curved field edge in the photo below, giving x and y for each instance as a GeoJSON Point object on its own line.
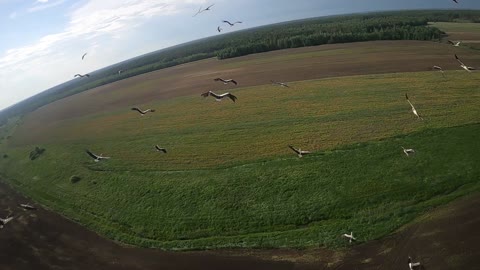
{"type": "Point", "coordinates": [340, 195]}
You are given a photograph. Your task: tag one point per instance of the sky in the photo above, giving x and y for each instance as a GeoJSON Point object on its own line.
{"type": "Point", "coordinates": [42, 41]}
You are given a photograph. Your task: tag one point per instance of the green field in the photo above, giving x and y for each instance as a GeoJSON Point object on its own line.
{"type": "Point", "coordinates": [456, 27]}
{"type": "Point", "coordinates": [229, 179]}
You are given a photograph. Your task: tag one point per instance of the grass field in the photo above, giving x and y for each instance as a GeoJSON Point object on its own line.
{"type": "Point", "coordinates": [467, 33]}
{"type": "Point", "coordinates": [230, 181]}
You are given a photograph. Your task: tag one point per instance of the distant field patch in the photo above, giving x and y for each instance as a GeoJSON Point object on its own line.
{"type": "Point", "coordinates": [456, 27]}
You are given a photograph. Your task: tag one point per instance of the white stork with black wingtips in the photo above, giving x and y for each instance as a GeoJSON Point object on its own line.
{"type": "Point", "coordinates": [219, 97]}
{"type": "Point", "coordinates": [299, 151]}
{"type": "Point", "coordinates": [141, 111]}
{"type": "Point", "coordinates": [467, 68]}
{"type": "Point", "coordinates": [81, 76]}
{"type": "Point", "coordinates": [160, 149]}
{"type": "Point", "coordinates": [231, 24]}
{"type": "Point", "coordinates": [455, 44]}
{"type": "Point", "coordinates": [280, 83]}
{"type": "Point", "coordinates": [27, 206]}
{"type": "Point", "coordinates": [411, 264]}
{"type": "Point", "coordinates": [97, 158]}
{"type": "Point", "coordinates": [225, 81]}
{"type": "Point", "coordinates": [413, 108]}
{"type": "Point", "coordinates": [439, 69]}
{"type": "Point", "coordinates": [349, 237]}
{"type": "Point", "coordinates": [4, 221]}
{"type": "Point", "coordinates": [408, 151]}
{"type": "Point", "coordinates": [200, 10]}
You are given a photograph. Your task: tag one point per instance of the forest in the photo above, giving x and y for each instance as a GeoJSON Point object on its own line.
{"type": "Point", "coordinates": [395, 25]}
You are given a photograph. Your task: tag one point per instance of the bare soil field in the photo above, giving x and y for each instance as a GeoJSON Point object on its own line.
{"type": "Point", "coordinates": [285, 65]}
{"type": "Point", "coordinates": [445, 238]}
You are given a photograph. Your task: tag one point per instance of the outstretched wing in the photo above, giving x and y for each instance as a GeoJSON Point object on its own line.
{"type": "Point", "coordinates": [459, 61]}
{"type": "Point", "coordinates": [161, 149]}
{"type": "Point", "coordinates": [83, 56]}
{"type": "Point", "coordinates": [406, 96]}
{"type": "Point", "coordinates": [234, 82]}
{"type": "Point", "coordinates": [294, 150]}
{"type": "Point", "coordinates": [232, 97]}
{"type": "Point", "coordinates": [77, 75]}
{"type": "Point", "coordinates": [92, 155]}
{"type": "Point", "coordinates": [205, 94]}
{"type": "Point", "coordinates": [208, 8]}
{"type": "Point", "coordinates": [228, 23]}
{"type": "Point", "coordinates": [138, 110]}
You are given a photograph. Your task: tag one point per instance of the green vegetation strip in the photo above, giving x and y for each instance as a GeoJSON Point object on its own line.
{"type": "Point", "coordinates": [232, 182]}
{"type": "Point", "coordinates": [369, 188]}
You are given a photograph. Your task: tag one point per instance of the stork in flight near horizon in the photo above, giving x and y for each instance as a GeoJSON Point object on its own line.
{"type": "Point", "coordinates": [219, 97]}
{"type": "Point", "coordinates": [413, 108]}
{"type": "Point", "coordinates": [455, 44]}
{"type": "Point", "coordinates": [408, 152]}
{"type": "Point", "coordinates": [4, 221]}
{"type": "Point", "coordinates": [27, 206]}
{"type": "Point", "coordinates": [349, 237]}
{"type": "Point", "coordinates": [83, 56]}
{"type": "Point", "coordinates": [299, 151]}
{"type": "Point", "coordinates": [231, 24]}
{"type": "Point", "coordinates": [81, 76]}
{"type": "Point", "coordinates": [219, 29]}
{"type": "Point", "coordinates": [467, 68]}
{"type": "Point", "coordinates": [159, 149]}
{"type": "Point", "coordinates": [411, 264]}
{"type": "Point", "coordinates": [456, 1]}
{"type": "Point", "coordinates": [203, 10]}
{"type": "Point", "coordinates": [280, 83]}
{"type": "Point", "coordinates": [97, 158]}
{"type": "Point", "coordinates": [225, 81]}
{"type": "Point", "coordinates": [439, 69]}
{"type": "Point", "coordinates": [142, 112]}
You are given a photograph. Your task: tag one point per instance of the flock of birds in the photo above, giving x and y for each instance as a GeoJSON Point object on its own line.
{"type": "Point", "coordinates": [219, 97]}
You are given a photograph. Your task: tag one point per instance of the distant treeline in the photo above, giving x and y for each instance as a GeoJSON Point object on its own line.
{"type": "Point", "coordinates": [400, 25]}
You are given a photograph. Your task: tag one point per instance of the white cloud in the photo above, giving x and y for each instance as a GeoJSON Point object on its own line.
{"type": "Point", "coordinates": [49, 60]}
{"type": "Point", "coordinates": [44, 5]}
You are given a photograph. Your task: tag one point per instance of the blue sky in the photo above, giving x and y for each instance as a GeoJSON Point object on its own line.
{"type": "Point", "coordinates": [42, 41]}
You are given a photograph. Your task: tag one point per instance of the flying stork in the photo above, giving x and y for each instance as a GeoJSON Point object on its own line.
{"type": "Point", "coordinates": [299, 151]}
{"type": "Point", "coordinates": [159, 149]}
{"type": "Point", "coordinates": [225, 81]}
{"type": "Point", "coordinates": [467, 68]}
{"type": "Point", "coordinates": [203, 10]}
{"type": "Point", "coordinates": [4, 221]}
{"type": "Point", "coordinates": [413, 108]}
{"type": "Point", "coordinates": [408, 152]}
{"type": "Point", "coordinates": [142, 112]}
{"type": "Point", "coordinates": [81, 76]}
{"type": "Point", "coordinates": [83, 56]}
{"type": "Point", "coordinates": [349, 237]}
{"type": "Point", "coordinates": [280, 83]}
{"type": "Point", "coordinates": [219, 97]}
{"type": "Point", "coordinates": [455, 44]}
{"type": "Point", "coordinates": [411, 264]}
{"type": "Point", "coordinates": [231, 24]}
{"type": "Point", "coordinates": [97, 158]}
{"type": "Point", "coordinates": [439, 69]}
{"type": "Point", "coordinates": [27, 206]}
